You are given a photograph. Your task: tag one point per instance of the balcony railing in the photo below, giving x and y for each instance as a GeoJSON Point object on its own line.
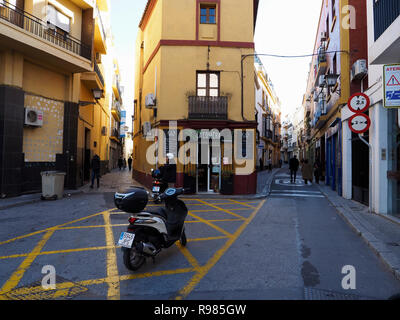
{"type": "Point", "coordinates": [34, 25]}
{"type": "Point", "coordinates": [385, 12]}
{"type": "Point", "coordinates": [99, 74]}
{"type": "Point", "coordinates": [210, 108]}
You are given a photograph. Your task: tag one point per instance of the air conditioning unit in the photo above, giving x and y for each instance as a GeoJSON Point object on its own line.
{"type": "Point", "coordinates": [33, 118]}
{"type": "Point", "coordinates": [98, 57]}
{"type": "Point", "coordinates": [104, 131]}
{"type": "Point", "coordinates": [150, 101]}
{"type": "Point", "coordinates": [359, 70]}
{"type": "Point", "coordinates": [324, 36]}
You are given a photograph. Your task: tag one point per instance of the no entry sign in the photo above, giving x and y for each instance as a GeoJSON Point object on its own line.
{"type": "Point", "coordinates": [359, 123]}
{"type": "Point", "coordinates": [359, 102]}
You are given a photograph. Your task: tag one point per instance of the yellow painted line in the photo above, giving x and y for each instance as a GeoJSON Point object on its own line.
{"type": "Point", "coordinates": [207, 239]}
{"type": "Point", "coordinates": [45, 230]}
{"type": "Point", "coordinates": [97, 226]}
{"type": "Point", "coordinates": [214, 220]}
{"type": "Point", "coordinates": [68, 285]}
{"type": "Point", "coordinates": [242, 203]}
{"type": "Point", "coordinates": [155, 274]}
{"type": "Point", "coordinates": [42, 253]}
{"type": "Point", "coordinates": [210, 224]}
{"type": "Point", "coordinates": [185, 291]}
{"type": "Point", "coordinates": [189, 257]}
{"type": "Point", "coordinates": [16, 277]}
{"type": "Point", "coordinates": [217, 210]}
{"type": "Point", "coordinates": [112, 268]}
{"type": "Point", "coordinates": [221, 209]}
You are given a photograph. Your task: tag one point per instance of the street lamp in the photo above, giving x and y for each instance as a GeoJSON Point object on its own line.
{"type": "Point", "coordinates": [97, 93]}
{"type": "Point", "coordinates": [331, 79]}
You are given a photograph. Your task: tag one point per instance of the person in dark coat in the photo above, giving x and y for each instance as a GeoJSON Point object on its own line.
{"type": "Point", "coordinates": [120, 163]}
{"type": "Point", "coordinates": [130, 163]}
{"type": "Point", "coordinates": [293, 167]}
{"type": "Point", "coordinates": [307, 172]}
{"type": "Point", "coordinates": [95, 165]}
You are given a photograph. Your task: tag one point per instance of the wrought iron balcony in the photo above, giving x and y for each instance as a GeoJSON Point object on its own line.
{"type": "Point", "coordinates": [99, 74]}
{"type": "Point", "coordinates": [34, 25]}
{"type": "Point", "coordinates": [210, 108]}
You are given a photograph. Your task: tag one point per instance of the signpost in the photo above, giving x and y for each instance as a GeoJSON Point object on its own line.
{"type": "Point", "coordinates": [360, 123]}
{"type": "Point", "coordinates": [391, 85]}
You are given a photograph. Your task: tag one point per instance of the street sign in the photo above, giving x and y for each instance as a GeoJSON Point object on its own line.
{"type": "Point", "coordinates": [359, 102]}
{"type": "Point", "coordinates": [359, 123]}
{"type": "Point", "coordinates": [391, 84]}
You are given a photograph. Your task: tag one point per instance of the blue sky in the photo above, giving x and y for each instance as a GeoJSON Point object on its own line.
{"type": "Point", "coordinates": [284, 27]}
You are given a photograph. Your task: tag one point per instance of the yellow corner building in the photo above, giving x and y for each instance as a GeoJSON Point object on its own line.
{"type": "Point", "coordinates": [54, 102]}
{"type": "Point", "coordinates": [188, 71]}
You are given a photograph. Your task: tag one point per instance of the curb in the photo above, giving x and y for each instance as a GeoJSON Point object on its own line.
{"type": "Point", "coordinates": [380, 249]}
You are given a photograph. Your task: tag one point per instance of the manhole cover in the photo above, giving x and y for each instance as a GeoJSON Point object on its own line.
{"type": "Point", "coordinates": [318, 294]}
{"type": "Point", "coordinates": [65, 289]}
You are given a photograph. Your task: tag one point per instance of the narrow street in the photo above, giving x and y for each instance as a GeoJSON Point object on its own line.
{"type": "Point", "coordinates": [291, 245]}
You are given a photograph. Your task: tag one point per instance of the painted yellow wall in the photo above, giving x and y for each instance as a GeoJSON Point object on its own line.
{"type": "Point", "coordinates": [45, 82]}
{"type": "Point", "coordinates": [176, 66]}
{"type": "Point", "coordinates": [41, 144]}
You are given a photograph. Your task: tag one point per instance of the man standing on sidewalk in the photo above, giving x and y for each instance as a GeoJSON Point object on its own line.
{"type": "Point", "coordinates": [95, 165]}
{"type": "Point", "coordinates": [130, 163]}
{"type": "Point", "coordinates": [293, 167]}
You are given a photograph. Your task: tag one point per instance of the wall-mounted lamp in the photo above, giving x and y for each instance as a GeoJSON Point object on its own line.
{"type": "Point", "coordinates": [97, 93]}
{"type": "Point", "coordinates": [331, 79]}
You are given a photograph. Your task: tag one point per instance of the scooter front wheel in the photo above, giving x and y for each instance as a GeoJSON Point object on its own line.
{"type": "Point", "coordinates": [132, 259]}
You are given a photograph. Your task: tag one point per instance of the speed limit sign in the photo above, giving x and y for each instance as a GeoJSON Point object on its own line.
{"type": "Point", "coordinates": [359, 123]}
{"type": "Point", "coordinates": [359, 103]}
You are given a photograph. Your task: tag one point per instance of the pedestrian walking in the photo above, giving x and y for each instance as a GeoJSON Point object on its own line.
{"type": "Point", "coordinates": [293, 167]}
{"type": "Point", "coordinates": [130, 163]}
{"type": "Point", "coordinates": [95, 165]}
{"type": "Point", "coordinates": [124, 163]}
{"type": "Point", "coordinates": [120, 163]}
{"type": "Point", "coordinates": [270, 164]}
{"type": "Point", "coordinates": [307, 172]}
{"type": "Point", "coordinates": [317, 171]}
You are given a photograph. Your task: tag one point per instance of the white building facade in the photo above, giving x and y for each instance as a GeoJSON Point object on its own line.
{"type": "Point", "coordinates": [383, 49]}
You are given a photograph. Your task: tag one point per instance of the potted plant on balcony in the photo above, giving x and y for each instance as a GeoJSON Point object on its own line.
{"type": "Point", "coordinates": [227, 182]}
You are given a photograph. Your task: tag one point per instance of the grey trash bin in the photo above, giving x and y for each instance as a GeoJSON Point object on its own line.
{"type": "Point", "coordinates": [52, 185]}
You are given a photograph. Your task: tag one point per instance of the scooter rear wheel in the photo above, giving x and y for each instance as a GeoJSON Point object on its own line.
{"type": "Point", "coordinates": [132, 259]}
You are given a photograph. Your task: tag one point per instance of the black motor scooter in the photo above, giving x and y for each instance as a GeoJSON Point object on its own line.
{"type": "Point", "coordinates": [150, 231]}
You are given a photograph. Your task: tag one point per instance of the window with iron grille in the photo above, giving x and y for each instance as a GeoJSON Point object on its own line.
{"type": "Point", "coordinates": [208, 13]}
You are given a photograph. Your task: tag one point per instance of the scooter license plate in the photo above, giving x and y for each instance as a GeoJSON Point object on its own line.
{"type": "Point", "coordinates": [156, 189]}
{"type": "Point", "coordinates": [126, 239]}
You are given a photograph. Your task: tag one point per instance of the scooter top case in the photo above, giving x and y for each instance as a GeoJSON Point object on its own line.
{"type": "Point", "coordinates": [131, 200]}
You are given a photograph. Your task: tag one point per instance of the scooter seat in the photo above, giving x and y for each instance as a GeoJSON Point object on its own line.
{"type": "Point", "coordinates": [158, 212]}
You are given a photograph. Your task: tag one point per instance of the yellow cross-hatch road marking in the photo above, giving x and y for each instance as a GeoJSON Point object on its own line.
{"type": "Point", "coordinates": [16, 277]}
{"type": "Point", "coordinates": [221, 209]}
{"type": "Point", "coordinates": [184, 292]}
{"type": "Point", "coordinates": [113, 277]}
{"type": "Point", "coordinates": [112, 268]}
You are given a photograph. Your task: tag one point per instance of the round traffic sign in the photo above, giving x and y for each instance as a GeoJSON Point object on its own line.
{"type": "Point", "coordinates": [359, 123]}
{"type": "Point", "coordinates": [359, 102]}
